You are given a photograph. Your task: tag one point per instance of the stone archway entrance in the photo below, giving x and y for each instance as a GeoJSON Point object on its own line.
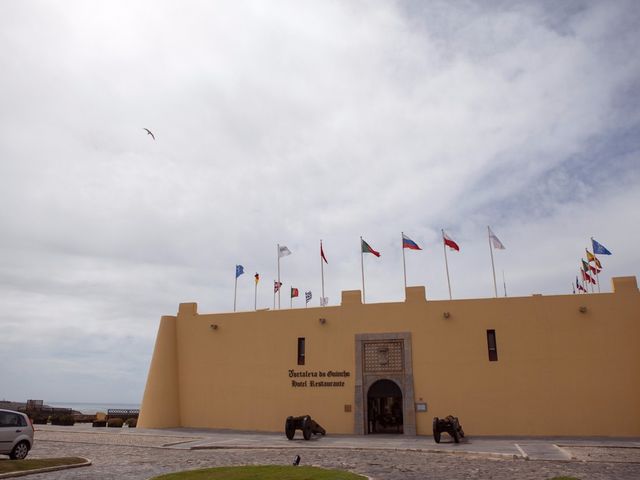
{"type": "Point", "coordinates": [384, 381]}
{"type": "Point", "coordinates": [384, 407]}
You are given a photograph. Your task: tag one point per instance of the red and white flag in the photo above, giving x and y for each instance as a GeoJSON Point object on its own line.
{"type": "Point", "coordinates": [449, 242]}
{"type": "Point", "coordinates": [587, 278]}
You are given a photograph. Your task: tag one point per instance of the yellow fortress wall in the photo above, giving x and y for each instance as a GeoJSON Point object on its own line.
{"type": "Point", "coordinates": [566, 365]}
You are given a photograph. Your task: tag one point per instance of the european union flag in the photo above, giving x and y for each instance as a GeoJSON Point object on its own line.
{"type": "Point", "coordinates": [239, 270]}
{"type": "Point", "coordinates": [599, 249]}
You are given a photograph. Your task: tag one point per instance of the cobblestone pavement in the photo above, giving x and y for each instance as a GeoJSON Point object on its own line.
{"type": "Point", "coordinates": [128, 455]}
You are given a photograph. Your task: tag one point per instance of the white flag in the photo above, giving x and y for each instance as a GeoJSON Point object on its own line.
{"type": "Point", "coordinates": [324, 301]}
{"type": "Point", "coordinates": [494, 240]}
{"type": "Point", "coordinates": [284, 251]}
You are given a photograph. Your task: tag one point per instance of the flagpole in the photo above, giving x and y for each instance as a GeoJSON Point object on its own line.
{"type": "Point", "coordinates": [493, 268]}
{"type": "Point", "coordinates": [404, 264]}
{"type": "Point", "coordinates": [278, 248]}
{"type": "Point", "coordinates": [235, 290]}
{"type": "Point", "coordinates": [291, 300]}
{"type": "Point", "coordinates": [255, 297]}
{"type": "Point", "coordinates": [446, 262]}
{"type": "Point", "coordinates": [594, 256]}
{"type": "Point", "coordinates": [596, 268]}
{"type": "Point", "coordinates": [274, 296]}
{"type": "Point", "coordinates": [504, 282]}
{"type": "Point", "coordinates": [322, 274]}
{"type": "Point", "coordinates": [588, 275]}
{"type": "Point", "coordinates": [362, 269]}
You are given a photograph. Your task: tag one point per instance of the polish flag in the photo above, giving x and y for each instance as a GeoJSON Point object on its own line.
{"type": "Point", "coordinates": [450, 243]}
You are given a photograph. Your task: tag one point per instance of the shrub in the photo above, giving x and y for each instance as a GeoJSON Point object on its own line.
{"type": "Point", "coordinates": [39, 419]}
{"type": "Point", "coordinates": [99, 423]}
{"type": "Point", "coordinates": [131, 422]}
{"type": "Point", "coordinates": [115, 422]}
{"type": "Point", "coordinates": [62, 419]}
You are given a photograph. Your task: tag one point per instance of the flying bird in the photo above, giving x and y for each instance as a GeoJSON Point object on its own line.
{"type": "Point", "coordinates": [149, 132]}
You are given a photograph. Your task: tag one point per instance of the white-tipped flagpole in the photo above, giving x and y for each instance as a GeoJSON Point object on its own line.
{"type": "Point", "coordinates": [278, 253]}
{"type": "Point", "coordinates": [493, 268]}
{"type": "Point", "coordinates": [362, 268]}
{"type": "Point", "coordinates": [322, 274]}
{"type": "Point", "coordinates": [446, 263]}
{"type": "Point", "coordinates": [404, 263]}
{"type": "Point", "coordinates": [235, 290]}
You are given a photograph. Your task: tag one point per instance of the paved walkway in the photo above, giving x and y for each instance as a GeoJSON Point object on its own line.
{"type": "Point", "coordinates": [141, 454]}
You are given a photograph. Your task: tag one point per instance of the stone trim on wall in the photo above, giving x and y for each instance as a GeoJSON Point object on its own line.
{"type": "Point", "coordinates": [403, 379]}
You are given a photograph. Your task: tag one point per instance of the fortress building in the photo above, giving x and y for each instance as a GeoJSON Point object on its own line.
{"type": "Point", "coordinates": [542, 365]}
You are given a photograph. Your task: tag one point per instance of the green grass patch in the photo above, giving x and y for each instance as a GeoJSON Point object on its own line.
{"type": "Point", "coordinates": [263, 472]}
{"type": "Point", "coordinates": [9, 466]}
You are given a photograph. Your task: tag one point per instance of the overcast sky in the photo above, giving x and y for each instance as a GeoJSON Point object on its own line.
{"type": "Point", "coordinates": [289, 122]}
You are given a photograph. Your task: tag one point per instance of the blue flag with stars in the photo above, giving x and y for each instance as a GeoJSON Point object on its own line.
{"type": "Point", "coordinates": [599, 249]}
{"type": "Point", "coordinates": [239, 270]}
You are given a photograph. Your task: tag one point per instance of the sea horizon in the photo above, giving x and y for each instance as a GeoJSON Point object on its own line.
{"type": "Point", "coordinates": [90, 408]}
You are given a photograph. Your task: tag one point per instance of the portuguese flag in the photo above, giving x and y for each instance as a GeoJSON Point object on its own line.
{"type": "Point", "coordinates": [366, 248]}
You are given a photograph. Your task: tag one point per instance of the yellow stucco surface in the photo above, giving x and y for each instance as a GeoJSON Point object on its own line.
{"type": "Point", "coordinates": [560, 371]}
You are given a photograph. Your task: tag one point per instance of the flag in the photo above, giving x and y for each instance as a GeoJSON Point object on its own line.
{"type": "Point", "coordinates": [494, 240]}
{"type": "Point", "coordinates": [589, 268]}
{"type": "Point", "coordinates": [599, 249]}
{"type": "Point", "coordinates": [587, 277]}
{"type": "Point", "coordinates": [257, 277]}
{"type": "Point", "coordinates": [276, 286]}
{"type": "Point", "coordinates": [450, 243]}
{"type": "Point", "coordinates": [324, 301]}
{"type": "Point", "coordinates": [294, 292]}
{"type": "Point", "coordinates": [239, 270]}
{"type": "Point", "coordinates": [284, 251]}
{"type": "Point", "coordinates": [592, 258]}
{"type": "Point", "coordinates": [367, 249]}
{"type": "Point", "coordinates": [322, 254]}
{"type": "Point", "coordinates": [579, 287]}
{"type": "Point", "coordinates": [307, 296]}
{"type": "Point", "coordinates": [408, 243]}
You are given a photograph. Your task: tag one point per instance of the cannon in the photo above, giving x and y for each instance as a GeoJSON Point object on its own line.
{"type": "Point", "coordinates": [449, 424]}
{"type": "Point", "coordinates": [306, 424]}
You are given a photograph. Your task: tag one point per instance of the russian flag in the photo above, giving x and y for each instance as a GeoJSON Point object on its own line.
{"type": "Point", "coordinates": [408, 243]}
{"type": "Point", "coordinates": [450, 243]}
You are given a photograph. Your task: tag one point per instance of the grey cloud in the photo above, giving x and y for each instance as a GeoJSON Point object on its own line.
{"type": "Point", "coordinates": [289, 122]}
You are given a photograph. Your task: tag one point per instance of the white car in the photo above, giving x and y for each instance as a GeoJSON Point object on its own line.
{"type": "Point", "coordinates": [16, 434]}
